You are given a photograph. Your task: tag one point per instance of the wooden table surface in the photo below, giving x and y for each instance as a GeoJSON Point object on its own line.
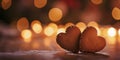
{"type": "Point", "coordinates": [51, 55]}
{"type": "Point", "coordinates": [109, 53]}
{"type": "Point", "coordinates": [11, 50]}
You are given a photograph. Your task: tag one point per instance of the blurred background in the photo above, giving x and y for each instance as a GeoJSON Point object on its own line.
{"type": "Point", "coordinates": [34, 24]}
{"type": "Point", "coordinates": [72, 11]}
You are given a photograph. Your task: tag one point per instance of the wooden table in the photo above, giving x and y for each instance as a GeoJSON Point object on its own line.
{"type": "Point", "coordinates": [109, 53]}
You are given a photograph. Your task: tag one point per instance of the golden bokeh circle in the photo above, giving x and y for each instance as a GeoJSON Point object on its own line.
{"type": "Point", "coordinates": [96, 2]}
{"type": "Point", "coordinates": [116, 13]}
{"type": "Point", "coordinates": [22, 23]}
{"type": "Point", "coordinates": [36, 26]}
{"type": "Point", "coordinates": [81, 26]}
{"type": "Point", "coordinates": [26, 35]}
{"type": "Point", "coordinates": [6, 4]}
{"type": "Point", "coordinates": [40, 3]}
{"type": "Point", "coordinates": [55, 14]}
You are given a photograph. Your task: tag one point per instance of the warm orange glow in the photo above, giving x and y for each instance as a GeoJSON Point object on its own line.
{"type": "Point", "coordinates": [104, 31]}
{"type": "Point", "coordinates": [49, 31]}
{"type": "Point", "coordinates": [54, 26]}
{"type": "Point", "coordinates": [6, 4]}
{"type": "Point", "coordinates": [68, 24]}
{"type": "Point", "coordinates": [40, 3]}
{"type": "Point", "coordinates": [22, 24]}
{"type": "Point", "coordinates": [93, 24]}
{"type": "Point", "coordinates": [26, 35]}
{"type": "Point", "coordinates": [111, 40]}
{"type": "Point", "coordinates": [111, 32]}
{"type": "Point", "coordinates": [119, 32]}
{"type": "Point", "coordinates": [98, 32]}
{"type": "Point", "coordinates": [97, 2]}
{"type": "Point", "coordinates": [116, 13]}
{"type": "Point", "coordinates": [81, 26]}
{"type": "Point", "coordinates": [35, 45]}
{"type": "Point", "coordinates": [111, 35]}
{"type": "Point", "coordinates": [119, 35]}
{"type": "Point", "coordinates": [36, 26]}
{"type": "Point", "coordinates": [55, 14]}
{"type": "Point", "coordinates": [60, 30]}
{"type": "Point", "coordinates": [47, 42]}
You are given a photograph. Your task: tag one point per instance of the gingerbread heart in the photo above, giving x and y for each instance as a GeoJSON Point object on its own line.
{"type": "Point", "coordinates": [70, 39]}
{"type": "Point", "coordinates": [90, 42]}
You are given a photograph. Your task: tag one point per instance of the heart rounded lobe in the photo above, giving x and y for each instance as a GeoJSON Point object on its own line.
{"type": "Point", "coordinates": [90, 42]}
{"type": "Point", "coordinates": [70, 39]}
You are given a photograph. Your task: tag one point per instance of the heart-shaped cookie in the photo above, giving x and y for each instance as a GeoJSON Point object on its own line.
{"type": "Point", "coordinates": [90, 42]}
{"type": "Point", "coordinates": [70, 39]}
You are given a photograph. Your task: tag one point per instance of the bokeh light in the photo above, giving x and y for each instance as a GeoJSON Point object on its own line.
{"type": "Point", "coordinates": [6, 4]}
{"type": "Point", "coordinates": [96, 2]}
{"type": "Point", "coordinates": [68, 24]}
{"type": "Point", "coordinates": [54, 26]}
{"type": "Point", "coordinates": [22, 23]}
{"type": "Point", "coordinates": [111, 32]}
{"type": "Point", "coordinates": [36, 26]}
{"type": "Point", "coordinates": [49, 31]}
{"type": "Point", "coordinates": [111, 35]}
{"type": "Point", "coordinates": [40, 3]}
{"type": "Point", "coordinates": [55, 14]}
{"type": "Point", "coordinates": [98, 31]}
{"type": "Point", "coordinates": [93, 24]}
{"type": "Point", "coordinates": [81, 26]}
{"type": "Point", "coordinates": [26, 35]}
{"type": "Point", "coordinates": [119, 32]}
{"type": "Point", "coordinates": [118, 35]}
{"type": "Point", "coordinates": [104, 30]}
{"type": "Point", "coordinates": [61, 30]}
{"type": "Point", "coordinates": [116, 13]}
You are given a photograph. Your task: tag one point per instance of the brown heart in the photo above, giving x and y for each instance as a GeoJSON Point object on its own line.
{"type": "Point", "coordinates": [90, 42]}
{"type": "Point", "coordinates": [70, 39]}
